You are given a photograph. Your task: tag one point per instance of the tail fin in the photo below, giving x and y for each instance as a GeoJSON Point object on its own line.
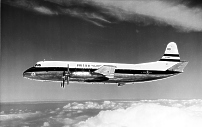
{"type": "Point", "coordinates": [171, 53]}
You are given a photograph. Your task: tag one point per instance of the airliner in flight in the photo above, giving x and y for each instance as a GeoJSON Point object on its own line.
{"type": "Point", "coordinates": [97, 72]}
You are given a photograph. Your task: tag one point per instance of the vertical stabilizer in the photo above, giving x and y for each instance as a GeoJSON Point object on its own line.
{"type": "Point", "coordinates": [171, 53]}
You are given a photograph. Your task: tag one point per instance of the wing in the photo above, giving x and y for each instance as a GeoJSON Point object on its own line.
{"type": "Point", "coordinates": [107, 71]}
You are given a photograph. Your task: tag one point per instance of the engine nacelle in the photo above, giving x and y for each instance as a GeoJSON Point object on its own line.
{"type": "Point", "coordinates": [81, 74]}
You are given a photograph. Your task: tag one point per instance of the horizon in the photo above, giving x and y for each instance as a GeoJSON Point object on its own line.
{"type": "Point", "coordinates": [121, 100]}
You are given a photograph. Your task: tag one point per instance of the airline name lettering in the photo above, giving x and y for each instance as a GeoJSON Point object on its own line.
{"type": "Point", "coordinates": [87, 65]}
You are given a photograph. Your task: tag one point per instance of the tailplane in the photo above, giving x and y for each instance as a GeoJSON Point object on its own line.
{"type": "Point", "coordinates": [178, 67]}
{"type": "Point", "coordinates": [171, 53]}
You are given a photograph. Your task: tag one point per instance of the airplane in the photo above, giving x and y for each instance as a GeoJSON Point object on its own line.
{"type": "Point", "coordinates": [110, 73]}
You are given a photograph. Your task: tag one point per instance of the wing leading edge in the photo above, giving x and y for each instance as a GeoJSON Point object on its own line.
{"type": "Point", "coordinates": [106, 70]}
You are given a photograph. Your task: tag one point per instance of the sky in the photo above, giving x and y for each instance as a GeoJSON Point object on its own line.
{"type": "Point", "coordinates": [114, 31]}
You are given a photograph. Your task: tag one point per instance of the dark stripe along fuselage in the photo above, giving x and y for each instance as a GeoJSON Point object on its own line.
{"type": "Point", "coordinates": [56, 73]}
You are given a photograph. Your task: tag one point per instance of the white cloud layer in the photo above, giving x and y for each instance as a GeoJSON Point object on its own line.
{"type": "Point", "coordinates": [108, 105]}
{"type": "Point", "coordinates": [19, 116]}
{"type": "Point", "coordinates": [99, 113]}
{"type": "Point", "coordinates": [144, 115]}
{"type": "Point", "coordinates": [96, 105]}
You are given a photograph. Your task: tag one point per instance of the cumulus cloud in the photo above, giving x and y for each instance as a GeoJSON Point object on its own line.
{"type": "Point", "coordinates": [141, 113]}
{"type": "Point", "coordinates": [45, 124]}
{"type": "Point", "coordinates": [184, 15]}
{"type": "Point", "coordinates": [70, 121]}
{"type": "Point", "coordinates": [125, 104]}
{"type": "Point", "coordinates": [144, 115]}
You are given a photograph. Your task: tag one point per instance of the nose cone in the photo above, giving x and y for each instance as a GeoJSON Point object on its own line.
{"type": "Point", "coordinates": [26, 74]}
{"type": "Point", "coordinates": [29, 73]}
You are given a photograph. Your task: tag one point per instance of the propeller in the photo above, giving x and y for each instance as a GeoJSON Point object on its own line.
{"type": "Point", "coordinates": [65, 77]}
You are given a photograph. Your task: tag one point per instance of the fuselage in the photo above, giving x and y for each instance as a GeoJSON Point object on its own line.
{"type": "Point", "coordinates": [97, 72]}
{"type": "Point", "coordinates": [85, 71]}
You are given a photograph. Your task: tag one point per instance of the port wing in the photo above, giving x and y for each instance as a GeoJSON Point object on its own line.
{"type": "Point", "coordinates": [106, 70]}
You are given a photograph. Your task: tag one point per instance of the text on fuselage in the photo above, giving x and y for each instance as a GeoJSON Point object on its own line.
{"type": "Point", "coordinates": [87, 65]}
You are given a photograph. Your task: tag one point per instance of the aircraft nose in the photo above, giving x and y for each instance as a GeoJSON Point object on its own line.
{"type": "Point", "coordinates": [28, 73]}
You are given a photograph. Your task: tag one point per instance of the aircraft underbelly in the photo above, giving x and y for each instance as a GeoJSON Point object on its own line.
{"type": "Point", "coordinates": [137, 77]}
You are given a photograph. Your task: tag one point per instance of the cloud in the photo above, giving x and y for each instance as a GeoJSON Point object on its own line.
{"type": "Point", "coordinates": [144, 115]}
{"type": "Point", "coordinates": [96, 105]}
{"type": "Point", "coordinates": [2, 112]}
{"type": "Point", "coordinates": [45, 124]}
{"type": "Point", "coordinates": [109, 105]}
{"type": "Point", "coordinates": [159, 12]}
{"type": "Point", "coordinates": [155, 113]}
{"type": "Point", "coordinates": [70, 121]}
{"type": "Point", "coordinates": [65, 121]}
{"type": "Point", "coordinates": [19, 116]}
{"type": "Point", "coordinates": [183, 15]}
{"type": "Point", "coordinates": [44, 10]}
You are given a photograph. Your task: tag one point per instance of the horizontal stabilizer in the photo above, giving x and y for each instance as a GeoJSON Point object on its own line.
{"type": "Point", "coordinates": [107, 71]}
{"type": "Point", "coordinates": [179, 66]}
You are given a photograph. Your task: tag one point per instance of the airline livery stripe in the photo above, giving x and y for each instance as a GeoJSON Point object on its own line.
{"type": "Point", "coordinates": [121, 71]}
{"type": "Point", "coordinates": [173, 55]}
{"type": "Point", "coordinates": [170, 60]}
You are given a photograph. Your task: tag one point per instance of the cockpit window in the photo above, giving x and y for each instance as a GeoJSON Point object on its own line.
{"type": "Point", "coordinates": [37, 65]}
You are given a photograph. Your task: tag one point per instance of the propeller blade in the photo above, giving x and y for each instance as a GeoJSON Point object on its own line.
{"type": "Point", "coordinates": [68, 68]}
{"type": "Point", "coordinates": [67, 80]}
{"type": "Point", "coordinates": [68, 74]}
{"type": "Point", "coordinates": [63, 83]}
{"type": "Point", "coordinates": [65, 77]}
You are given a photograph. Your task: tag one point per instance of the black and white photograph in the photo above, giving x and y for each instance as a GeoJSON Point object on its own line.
{"type": "Point", "coordinates": [101, 63]}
